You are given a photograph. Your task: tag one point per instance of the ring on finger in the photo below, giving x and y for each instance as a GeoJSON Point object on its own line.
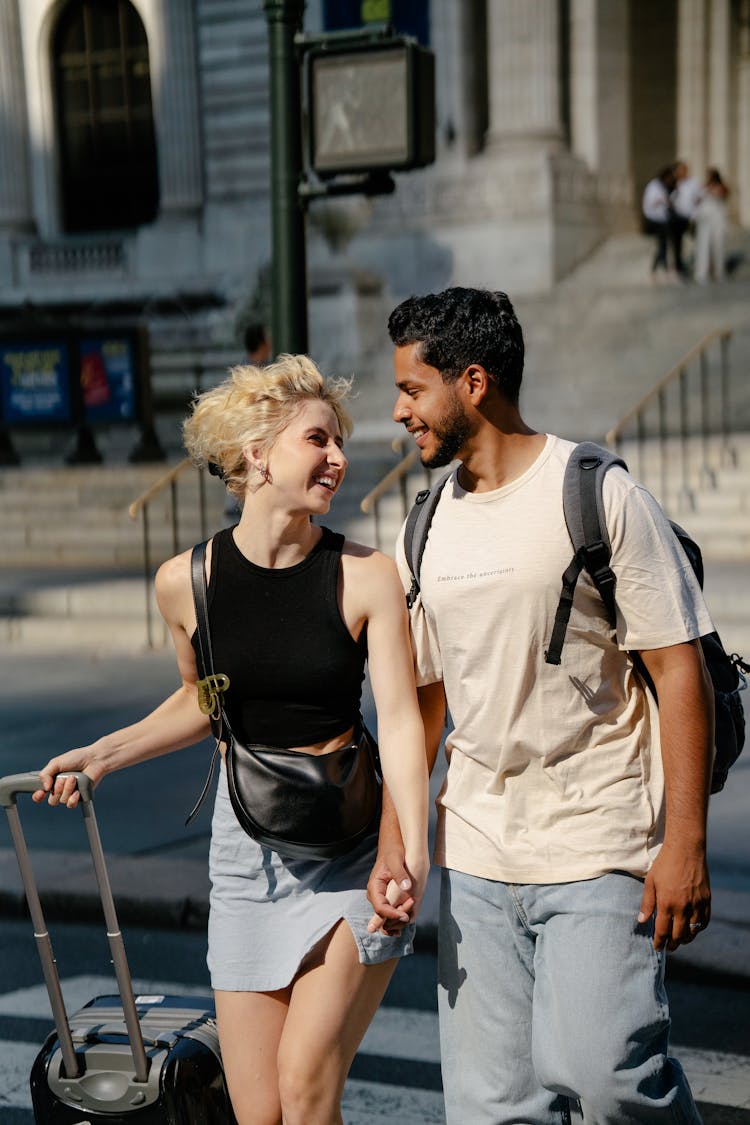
{"type": "Point", "coordinates": [696, 925]}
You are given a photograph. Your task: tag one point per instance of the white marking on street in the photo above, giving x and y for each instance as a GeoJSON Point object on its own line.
{"type": "Point", "coordinates": [15, 1067]}
{"type": "Point", "coordinates": [365, 1102]}
{"type": "Point", "coordinates": [715, 1077]}
{"type": "Point", "coordinates": [33, 1002]}
{"type": "Point", "coordinates": [403, 1033]}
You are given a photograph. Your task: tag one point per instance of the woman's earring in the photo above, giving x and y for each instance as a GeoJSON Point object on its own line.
{"type": "Point", "coordinates": [263, 470]}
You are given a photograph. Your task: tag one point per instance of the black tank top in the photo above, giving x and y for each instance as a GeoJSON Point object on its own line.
{"type": "Point", "coordinates": [295, 670]}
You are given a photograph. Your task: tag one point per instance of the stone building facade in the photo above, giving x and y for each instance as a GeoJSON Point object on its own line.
{"type": "Point", "coordinates": [551, 116]}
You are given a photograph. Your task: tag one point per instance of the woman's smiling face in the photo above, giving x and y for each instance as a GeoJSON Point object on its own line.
{"type": "Point", "coordinates": [307, 462]}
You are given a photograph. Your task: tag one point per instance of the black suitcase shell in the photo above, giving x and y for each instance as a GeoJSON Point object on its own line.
{"type": "Point", "coordinates": [186, 1082]}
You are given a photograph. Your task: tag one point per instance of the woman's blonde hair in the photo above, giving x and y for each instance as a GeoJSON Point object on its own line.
{"type": "Point", "coordinates": [251, 408]}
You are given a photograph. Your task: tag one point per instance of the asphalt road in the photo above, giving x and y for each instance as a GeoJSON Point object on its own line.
{"type": "Point", "coordinates": [396, 1074]}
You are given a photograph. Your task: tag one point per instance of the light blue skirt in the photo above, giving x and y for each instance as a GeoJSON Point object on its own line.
{"type": "Point", "coordinates": [267, 912]}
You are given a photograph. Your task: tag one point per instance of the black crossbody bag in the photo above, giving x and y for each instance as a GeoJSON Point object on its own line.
{"type": "Point", "coordinates": [306, 806]}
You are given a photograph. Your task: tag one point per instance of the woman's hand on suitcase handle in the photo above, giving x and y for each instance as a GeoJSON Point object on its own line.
{"type": "Point", "coordinates": [59, 790]}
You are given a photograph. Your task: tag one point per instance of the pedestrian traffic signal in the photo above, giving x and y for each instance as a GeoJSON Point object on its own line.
{"type": "Point", "coordinates": [370, 107]}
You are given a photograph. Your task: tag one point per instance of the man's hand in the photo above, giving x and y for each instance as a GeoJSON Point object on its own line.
{"type": "Point", "coordinates": [678, 892]}
{"type": "Point", "coordinates": [677, 889]}
{"type": "Point", "coordinates": [388, 890]}
{"type": "Point", "coordinates": [389, 885]}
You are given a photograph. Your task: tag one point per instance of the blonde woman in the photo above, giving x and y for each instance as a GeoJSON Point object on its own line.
{"type": "Point", "coordinates": [295, 611]}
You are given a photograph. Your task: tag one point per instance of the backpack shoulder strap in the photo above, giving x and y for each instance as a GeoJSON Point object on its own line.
{"type": "Point", "coordinates": [417, 529]}
{"type": "Point", "coordinates": [583, 508]}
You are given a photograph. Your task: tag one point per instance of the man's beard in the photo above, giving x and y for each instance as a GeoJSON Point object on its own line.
{"type": "Point", "coordinates": [450, 435]}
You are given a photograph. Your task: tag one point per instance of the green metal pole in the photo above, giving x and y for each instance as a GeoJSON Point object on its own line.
{"type": "Point", "coordinates": [289, 296]}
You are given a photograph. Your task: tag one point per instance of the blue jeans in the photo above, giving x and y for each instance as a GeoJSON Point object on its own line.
{"type": "Point", "coordinates": [552, 1006]}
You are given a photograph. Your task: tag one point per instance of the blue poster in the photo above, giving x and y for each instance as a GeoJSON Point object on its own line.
{"type": "Point", "coordinates": [407, 17]}
{"type": "Point", "coordinates": [35, 382]}
{"type": "Point", "coordinates": [108, 378]}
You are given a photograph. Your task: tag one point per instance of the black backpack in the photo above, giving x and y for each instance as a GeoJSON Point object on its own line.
{"type": "Point", "coordinates": [584, 515]}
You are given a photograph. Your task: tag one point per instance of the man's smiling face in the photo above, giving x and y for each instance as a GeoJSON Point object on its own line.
{"type": "Point", "coordinates": [429, 408]}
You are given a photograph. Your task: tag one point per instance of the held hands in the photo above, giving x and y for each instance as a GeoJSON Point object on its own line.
{"type": "Point", "coordinates": [395, 890]}
{"type": "Point", "coordinates": [678, 893]}
{"type": "Point", "coordinates": [64, 790]}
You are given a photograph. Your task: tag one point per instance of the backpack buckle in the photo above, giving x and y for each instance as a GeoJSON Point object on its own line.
{"type": "Point", "coordinates": [596, 557]}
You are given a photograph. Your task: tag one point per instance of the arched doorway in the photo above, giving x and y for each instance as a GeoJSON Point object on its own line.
{"type": "Point", "coordinates": [105, 126]}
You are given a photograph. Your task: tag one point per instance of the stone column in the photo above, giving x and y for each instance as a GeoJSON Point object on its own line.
{"type": "Point", "coordinates": [719, 78]}
{"type": "Point", "coordinates": [173, 63]}
{"type": "Point", "coordinates": [462, 72]}
{"type": "Point", "coordinates": [692, 84]}
{"type": "Point", "coordinates": [524, 75]}
{"type": "Point", "coordinates": [15, 195]}
{"type": "Point", "coordinates": [742, 172]}
{"type": "Point", "coordinates": [599, 102]}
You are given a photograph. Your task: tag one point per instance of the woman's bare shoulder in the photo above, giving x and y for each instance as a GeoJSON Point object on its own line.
{"type": "Point", "coordinates": [362, 555]}
{"type": "Point", "coordinates": [174, 573]}
{"type": "Point", "coordinates": [368, 565]}
{"type": "Point", "coordinates": [173, 588]}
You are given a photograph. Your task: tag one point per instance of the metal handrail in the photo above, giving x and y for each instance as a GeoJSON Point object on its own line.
{"type": "Point", "coordinates": [398, 475]}
{"type": "Point", "coordinates": [684, 427]}
{"type": "Point", "coordinates": [157, 487]}
{"type": "Point", "coordinates": [141, 505]}
{"type": "Point", "coordinates": [393, 476]}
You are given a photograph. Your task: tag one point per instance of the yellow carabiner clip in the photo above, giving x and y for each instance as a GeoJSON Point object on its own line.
{"type": "Point", "coordinates": [209, 690]}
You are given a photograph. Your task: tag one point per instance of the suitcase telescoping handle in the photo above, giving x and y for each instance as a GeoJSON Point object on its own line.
{"type": "Point", "coordinates": [10, 787]}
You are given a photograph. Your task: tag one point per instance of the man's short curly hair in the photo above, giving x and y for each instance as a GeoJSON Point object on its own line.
{"type": "Point", "coordinates": [251, 408]}
{"type": "Point", "coordinates": [459, 327]}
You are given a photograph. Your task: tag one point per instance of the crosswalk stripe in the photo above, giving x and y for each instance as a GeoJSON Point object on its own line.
{"type": "Point", "coordinates": [403, 1034]}
{"type": "Point", "coordinates": [77, 991]}
{"type": "Point", "coordinates": [365, 1102]}
{"type": "Point", "coordinates": [15, 1066]}
{"type": "Point", "coordinates": [715, 1077]}
{"type": "Point", "coordinates": [718, 1078]}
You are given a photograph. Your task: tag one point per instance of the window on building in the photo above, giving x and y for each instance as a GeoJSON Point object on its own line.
{"type": "Point", "coordinates": [105, 121]}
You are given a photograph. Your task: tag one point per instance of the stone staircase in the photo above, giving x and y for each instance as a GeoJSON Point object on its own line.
{"type": "Point", "coordinates": [77, 516]}
{"type": "Point", "coordinates": [71, 559]}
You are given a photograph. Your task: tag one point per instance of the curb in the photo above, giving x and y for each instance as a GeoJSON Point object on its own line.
{"type": "Point", "coordinates": [147, 892]}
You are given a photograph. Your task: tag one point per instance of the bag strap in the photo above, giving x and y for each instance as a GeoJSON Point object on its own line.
{"type": "Point", "coordinates": [207, 694]}
{"type": "Point", "coordinates": [210, 686]}
{"type": "Point", "coordinates": [583, 507]}
{"type": "Point", "coordinates": [417, 529]}
{"type": "Point", "coordinates": [200, 601]}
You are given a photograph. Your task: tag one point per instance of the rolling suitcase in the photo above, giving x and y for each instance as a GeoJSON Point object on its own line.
{"type": "Point", "coordinates": [119, 1060]}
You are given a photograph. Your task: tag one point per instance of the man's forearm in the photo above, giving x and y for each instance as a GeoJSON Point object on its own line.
{"type": "Point", "coordinates": [686, 724]}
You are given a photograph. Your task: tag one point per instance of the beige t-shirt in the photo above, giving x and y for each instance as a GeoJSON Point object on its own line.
{"type": "Point", "coordinates": [554, 771]}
